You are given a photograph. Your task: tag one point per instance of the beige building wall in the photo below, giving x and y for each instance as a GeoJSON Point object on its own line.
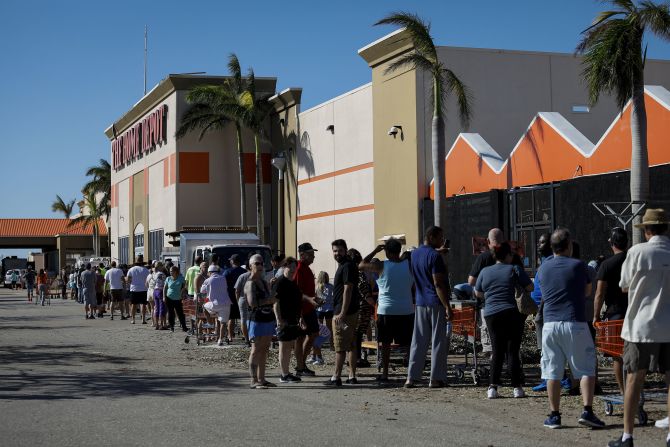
{"type": "Point", "coordinates": [336, 176]}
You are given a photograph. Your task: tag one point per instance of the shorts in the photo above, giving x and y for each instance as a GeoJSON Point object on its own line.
{"type": "Point", "coordinates": [311, 322]}
{"type": "Point", "coordinates": [138, 297]}
{"type": "Point", "coordinates": [328, 315]}
{"type": "Point", "coordinates": [654, 357]}
{"type": "Point", "coordinates": [261, 329]}
{"type": "Point", "coordinates": [290, 332]}
{"type": "Point", "coordinates": [117, 295]}
{"type": "Point", "coordinates": [567, 341]}
{"type": "Point", "coordinates": [221, 312]}
{"type": "Point", "coordinates": [344, 333]}
{"type": "Point", "coordinates": [150, 296]}
{"type": "Point", "coordinates": [100, 298]}
{"type": "Point", "coordinates": [243, 306]}
{"type": "Point", "coordinates": [234, 310]}
{"type": "Point", "coordinates": [89, 297]}
{"type": "Point", "coordinates": [398, 328]}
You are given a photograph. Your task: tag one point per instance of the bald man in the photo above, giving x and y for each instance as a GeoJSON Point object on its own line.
{"type": "Point", "coordinates": [486, 259]}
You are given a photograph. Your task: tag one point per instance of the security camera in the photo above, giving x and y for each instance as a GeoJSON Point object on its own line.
{"type": "Point", "coordinates": [393, 131]}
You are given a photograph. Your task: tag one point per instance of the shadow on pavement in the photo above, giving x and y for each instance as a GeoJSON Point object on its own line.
{"type": "Point", "coordinates": [54, 355]}
{"type": "Point", "coordinates": [111, 384]}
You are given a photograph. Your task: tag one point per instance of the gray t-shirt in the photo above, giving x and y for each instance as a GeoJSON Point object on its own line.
{"type": "Point", "coordinates": [499, 282]}
{"type": "Point", "coordinates": [241, 281]}
{"type": "Point", "coordinates": [88, 279]}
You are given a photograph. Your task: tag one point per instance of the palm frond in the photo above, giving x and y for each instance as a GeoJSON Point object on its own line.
{"type": "Point", "coordinates": [612, 59]}
{"type": "Point", "coordinates": [656, 17]}
{"type": "Point", "coordinates": [627, 5]}
{"type": "Point", "coordinates": [412, 60]}
{"type": "Point", "coordinates": [463, 95]}
{"type": "Point", "coordinates": [236, 83]}
{"type": "Point", "coordinates": [418, 29]}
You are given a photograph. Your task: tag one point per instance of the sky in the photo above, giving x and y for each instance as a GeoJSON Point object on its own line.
{"type": "Point", "coordinates": [68, 69]}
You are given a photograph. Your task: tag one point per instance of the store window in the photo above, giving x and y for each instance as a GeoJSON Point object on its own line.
{"type": "Point", "coordinates": [155, 244]}
{"type": "Point", "coordinates": [138, 240]}
{"type": "Point", "coordinates": [123, 250]}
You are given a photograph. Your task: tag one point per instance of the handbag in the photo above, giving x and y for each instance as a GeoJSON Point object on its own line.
{"type": "Point", "coordinates": [524, 303]}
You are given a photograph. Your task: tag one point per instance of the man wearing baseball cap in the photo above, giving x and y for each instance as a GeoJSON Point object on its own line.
{"type": "Point", "coordinates": [304, 277]}
{"type": "Point", "coordinates": [645, 275]}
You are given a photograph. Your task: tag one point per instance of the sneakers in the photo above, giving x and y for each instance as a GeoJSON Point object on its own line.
{"type": "Point", "coordinates": [219, 343]}
{"type": "Point", "coordinates": [352, 381]}
{"type": "Point", "coordinates": [519, 393]}
{"type": "Point", "coordinates": [590, 420]}
{"type": "Point", "coordinates": [331, 382]}
{"type": "Point", "coordinates": [492, 393]}
{"type": "Point", "coordinates": [542, 386]}
{"type": "Point", "coordinates": [305, 372]}
{"type": "Point", "coordinates": [619, 443]}
{"type": "Point", "coordinates": [663, 423]}
{"type": "Point", "coordinates": [289, 378]}
{"type": "Point", "coordinates": [311, 359]}
{"type": "Point", "coordinates": [318, 361]}
{"type": "Point", "coordinates": [553, 421]}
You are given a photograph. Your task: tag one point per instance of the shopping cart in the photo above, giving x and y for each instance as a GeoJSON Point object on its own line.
{"type": "Point", "coordinates": [195, 311]}
{"type": "Point", "coordinates": [465, 322]}
{"type": "Point", "coordinates": [609, 342]}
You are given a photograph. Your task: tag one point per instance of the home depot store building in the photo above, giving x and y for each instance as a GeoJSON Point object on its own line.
{"type": "Point", "coordinates": [161, 184]}
{"type": "Point", "coordinates": [529, 165]}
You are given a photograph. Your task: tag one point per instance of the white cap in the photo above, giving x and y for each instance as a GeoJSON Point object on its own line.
{"type": "Point", "coordinates": [213, 268]}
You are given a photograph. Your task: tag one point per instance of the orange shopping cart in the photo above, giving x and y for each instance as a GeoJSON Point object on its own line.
{"type": "Point", "coordinates": [465, 322]}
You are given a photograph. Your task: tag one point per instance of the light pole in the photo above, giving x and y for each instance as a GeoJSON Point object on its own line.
{"type": "Point", "coordinates": [279, 162]}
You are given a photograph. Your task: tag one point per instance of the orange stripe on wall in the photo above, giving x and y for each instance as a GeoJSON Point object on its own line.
{"type": "Point", "coordinates": [354, 209]}
{"type": "Point", "coordinates": [173, 169]}
{"type": "Point", "coordinates": [166, 172]}
{"type": "Point", "coordinates": [316, 178]}
{"type": "Point", "coordinates": [146, 181]}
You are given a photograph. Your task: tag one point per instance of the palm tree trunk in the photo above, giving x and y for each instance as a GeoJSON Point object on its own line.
{"type": "Point", "coordinates": [437, 154]}
{"type": "Point", "coordinates": [639, 161]}
{"type": "Point", "coordinates": [260, 221]}
{"type": "Point", "coordinates": [243, 195]}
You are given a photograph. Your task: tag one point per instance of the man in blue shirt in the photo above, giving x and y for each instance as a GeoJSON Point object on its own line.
{"type": "Point", "coordinates": [565, 335]}
{"type": "Point", "coordinates": [432, 311]}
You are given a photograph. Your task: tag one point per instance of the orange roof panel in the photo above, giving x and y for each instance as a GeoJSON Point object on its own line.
{"type": "Point", "coordinates": [46, 228]}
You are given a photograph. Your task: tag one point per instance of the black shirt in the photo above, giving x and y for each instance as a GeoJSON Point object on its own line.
{"type": "Point", "coordinates": [486, 259]}
{"type": "Point", "coordinates": [347, 273]}
{"type": "Point", "coordinates": [616, 302]}
{"type": "Point", "coordinates": [289, 298]}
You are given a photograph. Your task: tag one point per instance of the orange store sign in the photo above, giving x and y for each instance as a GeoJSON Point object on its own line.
{"type": "Point", "coordinates": [140, 139]}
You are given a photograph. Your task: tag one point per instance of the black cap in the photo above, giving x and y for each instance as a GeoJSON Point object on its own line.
{"type": "Point", "coordinates": [306, 247]}
{"type": "Point", "coordinates": [235, 258]}
{"type": "Point", "coordinates": [619, 238]}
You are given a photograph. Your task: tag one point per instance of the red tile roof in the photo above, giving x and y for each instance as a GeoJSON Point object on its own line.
{"type": "Point", "coordinates": [45, 228]}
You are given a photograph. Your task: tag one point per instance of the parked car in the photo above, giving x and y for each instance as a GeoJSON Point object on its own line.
{"type": "Point", "coordinates": [8, 278]}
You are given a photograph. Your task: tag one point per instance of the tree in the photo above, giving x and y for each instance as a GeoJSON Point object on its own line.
{"type": "Point", "coordinates": [213, 107]}
{"type": "Point", "coordinates": [445, 82]}
{"type": "Point", "coordinates": [614, 63]}
{"type": "Point", "coordinates": [257, 108]}
{"type": "Point", "coordinates": [60, 206]}
{"type": "Point", "coordinates": [90, 219]}
{"type": "Point", "coordinates": [101, 184]}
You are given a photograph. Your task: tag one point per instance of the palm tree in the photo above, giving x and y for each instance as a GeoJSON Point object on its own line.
{"type": "Point", "coordinates": [101, 183]}
{"type": "Point", "coordinates": [213, 107]}
{"type": "Point", "coordinates": [91, 218]}
{"type": "Point", "coordinates": [257, 109]}
{"type": "Point", "coordinates": [445, 82]}
{"type": "Point", "coordinates": [60, 206]}
{"type": "Point", "coordinates": [614, 63]}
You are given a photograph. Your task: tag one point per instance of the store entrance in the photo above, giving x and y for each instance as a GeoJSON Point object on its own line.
{"type": "Point", "coordinates": [532, 213]}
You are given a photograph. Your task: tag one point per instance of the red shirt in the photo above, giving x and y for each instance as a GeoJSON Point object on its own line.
{"type": "Point", "coordinates": [304, 278]}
